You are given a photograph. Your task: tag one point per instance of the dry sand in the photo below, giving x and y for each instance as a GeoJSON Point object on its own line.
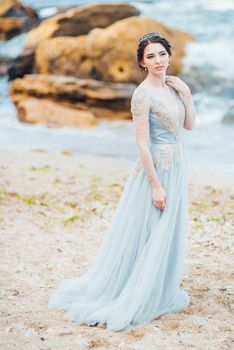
{"type": "Point", "coordinates": [54, 209]}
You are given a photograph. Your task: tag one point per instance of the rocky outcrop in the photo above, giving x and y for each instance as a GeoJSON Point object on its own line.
{"type": "Point", "coordinates": [86, 72]}
{"type": "Point", "coordinates": [15, 18]}
{"type": "Point", "coordinates": [13, 8]}
{"type": "Point", "coordinates": [79, 21]}
{"type": "Point", "coordinates": [108, 54]}
{"type": "Point", "coordinates": [58, 101]}
{"type": "Point", "coordinates": [33, 110]}
{"type": "Point", "coordinates": [20, 66]}
{"type": "Point", "coordinates": [68, 25]}
{"type": "Point", "coordinates": [64, 56]}
{"type": "Point", "coordinates": [9, 27]}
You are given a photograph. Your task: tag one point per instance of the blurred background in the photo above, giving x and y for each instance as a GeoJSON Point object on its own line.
{"type": "Point", "coordinates": [203, 59]}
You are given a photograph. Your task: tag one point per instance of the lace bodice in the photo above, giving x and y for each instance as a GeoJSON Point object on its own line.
{"type": "Point", "coordinates": [155, 122]}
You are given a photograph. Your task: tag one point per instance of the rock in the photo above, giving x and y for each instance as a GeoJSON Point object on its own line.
{"type": "Point", "coordinates": [75, 21]}
{"type": "Point", "coordinates": [107, 54]}
{"type": "Point", "coordinates": [13, 8]}
{"type": "Point", "coordinates": [17, 67]}
{"type": "Point", "coordinates": [21, 65]}
{"type": "Point", "coordinates": [10, 27]}
{"type": "Point", "coordinates": [15, 18]}
{"type": "Point", "coordinates": [4, 64]}
{"type": "Point", "coordinates": [64, 56]}
{"type": "Point", "coordinates": [113, 54]}
{"type": "Point", "coordinates": [228, 118]}
{"type": "Point", "coordinates": [34, 110]}
{"type": "Point", "coordinates": [79, 21]}
{"type": "Point", "coordinates": [69, 101]}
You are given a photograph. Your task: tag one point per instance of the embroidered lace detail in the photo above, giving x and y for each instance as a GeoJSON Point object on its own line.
{"type": "Point", "coordinates": [137, 103]}
{"type": "Point", "coordinates": [141, 105]}
{"type": "Point", "coordinates": [163, 161]}
{"type": "Point", "coordinates": [137, 167]}
{"type": "Point", "coordinates": [166, 156]}
{"type": "Point", "coordinates": [140, 108]}
{"type": "Point", "coordinates": [156, 162]}
{"type": "Point", "coordinates": [175, 151]}
{"type": "Point", "coordinates": [172, 121]}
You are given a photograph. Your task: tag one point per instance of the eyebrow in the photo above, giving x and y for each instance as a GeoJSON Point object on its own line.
{"type": "Point", "coordinates": [152, 53]}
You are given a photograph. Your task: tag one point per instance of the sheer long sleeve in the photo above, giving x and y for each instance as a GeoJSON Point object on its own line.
{"type": "Point", "coordinates": [140, 108]}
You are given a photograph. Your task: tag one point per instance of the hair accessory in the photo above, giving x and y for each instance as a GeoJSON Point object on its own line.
{"type": "Point", "coordinates": [149, 36]}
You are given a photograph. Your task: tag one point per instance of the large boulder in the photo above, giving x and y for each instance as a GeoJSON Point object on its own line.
{"type": "Point", "coordinates": [108, 54]}
{"type": "Point", "coordinates": [64, 56]}
{"type": "Point", "coordinates": [79, 21]}
{"type": "Point", "coordinates": [74, 22]}
{"type": "Point", "coordinates": [33, 110]}
{"type": "Point", "coordinates": [15, 18]}
{"type": "Point", "coordinates": [113, 50]}
{"type": "Point", "coordinates": [58, 101]}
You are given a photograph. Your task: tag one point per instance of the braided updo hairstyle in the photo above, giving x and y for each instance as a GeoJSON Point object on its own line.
{"type": "Point", "coordinates": [151, 37]}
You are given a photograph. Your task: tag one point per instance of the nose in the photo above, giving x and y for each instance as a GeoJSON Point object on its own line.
{"type": "Point", "coordinates": [157, 59]}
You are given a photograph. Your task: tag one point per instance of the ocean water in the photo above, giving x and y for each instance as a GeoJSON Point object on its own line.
{"type": "Point", "coordinates": [208, 70]}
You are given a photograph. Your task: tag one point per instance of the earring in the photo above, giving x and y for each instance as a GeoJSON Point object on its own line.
{"type": "Point", "coordinates": [145, 68]}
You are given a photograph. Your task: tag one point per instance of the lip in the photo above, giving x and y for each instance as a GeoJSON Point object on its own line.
{"type": "Point", "coordinates": [158, 68]}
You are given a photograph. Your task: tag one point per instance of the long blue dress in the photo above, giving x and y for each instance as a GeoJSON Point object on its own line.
{"type": "Point", "coordinates": [136, 274]}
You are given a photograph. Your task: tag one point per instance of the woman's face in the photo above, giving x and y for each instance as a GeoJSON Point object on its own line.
{"type": "Point", "coordinates": [155, 58]}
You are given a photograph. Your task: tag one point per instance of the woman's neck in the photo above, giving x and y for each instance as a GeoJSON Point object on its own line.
{"type": "Point", "coordinates": [157, 82]}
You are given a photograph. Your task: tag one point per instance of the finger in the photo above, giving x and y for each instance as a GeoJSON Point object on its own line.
{"type": "Point", "coordinates": [175, 85]}
{"type": "Point", "coordinates": [160, 206]}
{"type": "Point", "coordinates": [171, 79]}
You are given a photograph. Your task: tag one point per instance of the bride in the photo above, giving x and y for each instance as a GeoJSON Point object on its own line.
{"type": "Point", "coordinates": [136, 274]}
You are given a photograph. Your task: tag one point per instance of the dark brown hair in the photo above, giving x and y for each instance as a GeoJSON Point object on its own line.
{"type": "Point", "coordinates": [151, 37]}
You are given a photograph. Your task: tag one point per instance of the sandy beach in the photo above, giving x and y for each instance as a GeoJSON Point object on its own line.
{"type": "Point", "coordinates": [54, 210]}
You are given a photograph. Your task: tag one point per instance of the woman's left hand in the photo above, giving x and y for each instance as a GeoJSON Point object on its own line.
{"type": "Point", "coordinates": [179, 85]}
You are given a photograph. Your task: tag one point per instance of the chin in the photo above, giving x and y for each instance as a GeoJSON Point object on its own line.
{"type": "Point", "coordinates": [160, 72]}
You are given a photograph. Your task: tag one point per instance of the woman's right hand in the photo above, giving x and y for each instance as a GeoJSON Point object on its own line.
{"type": "Point", "coordinates": [159, 197]}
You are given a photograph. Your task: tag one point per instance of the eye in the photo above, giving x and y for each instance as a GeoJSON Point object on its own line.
{"type": "Point", "coordinates": [163, 54]}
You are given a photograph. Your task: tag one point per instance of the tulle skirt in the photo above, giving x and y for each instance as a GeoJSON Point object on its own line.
{"type": "Point", "coordinates": [136, 274]}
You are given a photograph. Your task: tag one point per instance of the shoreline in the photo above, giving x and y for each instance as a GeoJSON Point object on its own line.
{"type": "Point", "coordinates": [54, 210]}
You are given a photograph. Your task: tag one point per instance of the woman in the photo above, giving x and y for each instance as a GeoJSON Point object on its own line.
{"type": "Point", "coordinates": [137, 272]}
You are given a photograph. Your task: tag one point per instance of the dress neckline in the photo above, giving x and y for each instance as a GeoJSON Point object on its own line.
{"type": "Point", "coordinates": [154, 98]}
